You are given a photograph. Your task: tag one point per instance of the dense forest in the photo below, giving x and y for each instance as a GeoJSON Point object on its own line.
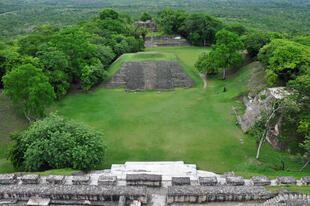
{"type": "Point", "coordinates": [21, 16]}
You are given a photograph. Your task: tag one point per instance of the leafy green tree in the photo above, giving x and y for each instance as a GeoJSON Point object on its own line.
{"type": "Point", "coordinates": [28, 87]}
{"type": "Point", "coordinates": [145, 16]}
{"type": "Point", "coordinates": [75, 44]}
{"type": "Point", "coordinates": [171, 21]}
{"type": "Point", "coordinates": [56, 67]}
{"type": "Point", "coordinates": [236, 28]}
{"type": "Point", "coordinates": [115, 26]}
{"type": "Point", "coordinates": [225, 53]}
{"type": "Point", "coordinates": [54, 143]}
{"type": "Point", "coordinates": [254, 41]}
{"type": "Point", "coordinates": [2, 61]}
{"type": "Point", "coordinates": [91, 75]}
{"type": "Point", "coordinates": [200, 29]}
{"type": "Point", "coordinates": [305, 40]}
{"type": "Point", "coordinates": [206, 64]}
{"type": "Point", "coordinates": [267, 117]}
{"type": "Point", "coordinates": [304, 129]}
{"type": "Point", "coordinates": [284, 60]}
{"type": "Point", "coordinates": [142, 31]}
{"type": "Point", "coordinates": [105, 54]}
{"type": "Point", "coordinates": [108, 13]}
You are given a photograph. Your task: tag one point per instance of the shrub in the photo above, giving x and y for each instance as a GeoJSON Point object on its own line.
{"type": "Point", "coordinates": [54, 143]}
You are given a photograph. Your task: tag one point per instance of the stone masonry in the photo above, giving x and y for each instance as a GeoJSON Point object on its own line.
{"type": "Point", "coordinates": [150, 75]}
{"type": "Point", "coordinates": [142, 183]}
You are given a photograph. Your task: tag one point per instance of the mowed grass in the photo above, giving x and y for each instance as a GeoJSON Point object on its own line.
{"type": "Point", "coordinates": [195, 125]}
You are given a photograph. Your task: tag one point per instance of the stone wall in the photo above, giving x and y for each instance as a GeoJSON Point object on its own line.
{"type": "Point", "coordinates": [73, 192]}
{"type": "Point", "coordinates": [157, 41]}
{"type": "Point", "coordinates": [201, 194]}
{"type": "Point", "coordinates": [134, 184]}
{"type": "Point", "coordinates": [147, 24]}
{"type": "Point", "coordinates": [150, 75]}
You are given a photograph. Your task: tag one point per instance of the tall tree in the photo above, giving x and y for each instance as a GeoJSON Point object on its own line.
{"type": "Point", "coordinates": [145, 16]}
{"type": "Point", "coordinates": [28, 87]}
{"type": "Point", "coordinates": [200, 29]}
{"type": "Point", "coordinates": [224, 54]}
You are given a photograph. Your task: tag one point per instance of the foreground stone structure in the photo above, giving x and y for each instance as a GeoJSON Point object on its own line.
{"type": "Point", "coordinates": [144, 183]}
{"type": "Point", "coordinates": [198, 194]}
{"type": "Point", "coordinates": [150, 75]}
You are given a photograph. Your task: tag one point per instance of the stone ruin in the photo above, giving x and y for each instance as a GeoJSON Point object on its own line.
{"type": "Point", "coordinates": [263, 102]}
{"type": "Point", "coordinates": [150, 75]}
{"type": "Point", "coordinates": [164, 40]}
{"type": "Point", "coordinates": [145, 183]}
{"type": "Point", "coordinates": [147, 24]}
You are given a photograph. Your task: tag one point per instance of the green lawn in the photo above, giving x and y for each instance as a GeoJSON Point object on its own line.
{"type": "Point", "coordinates": [10, 121]}
{"type": "Point", "coordinates": [195, 125]}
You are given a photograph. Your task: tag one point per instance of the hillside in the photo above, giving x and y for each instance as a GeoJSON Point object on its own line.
{"type": "Point", "coordinates": [274, 15]}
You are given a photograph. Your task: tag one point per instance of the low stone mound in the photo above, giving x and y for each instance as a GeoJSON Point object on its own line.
{"type": "Point", "coordinates": [150, 75]}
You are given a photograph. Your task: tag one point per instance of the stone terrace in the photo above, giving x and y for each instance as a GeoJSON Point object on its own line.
{"type": "Point", "coordinates": [140, 183]}
{"type": "Point", "coordinates": [150, 75]}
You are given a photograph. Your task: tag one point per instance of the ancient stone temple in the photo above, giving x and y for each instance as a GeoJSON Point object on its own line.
{"type": "Point", "coordinates": [150, 75]}
{"type": "Point", "coordinates": [147, 24]}
{"type": "Point", "coordinates": [164, 40]}
{"type": "Point", "coordinates": [145, 183]}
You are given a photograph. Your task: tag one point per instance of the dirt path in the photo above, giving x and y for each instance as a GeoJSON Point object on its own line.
{"type": "Point", "coordinates": [204, 79]}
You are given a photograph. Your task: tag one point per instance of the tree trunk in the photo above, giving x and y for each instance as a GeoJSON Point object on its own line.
{"type": "Point", "coordinates": [224, 73]}
{"type": "Point", "coordinates": [260, 146]}
{"type": "Point", "coordinates": [302, 169]}
{"type": "Point", "coordinates": [265, 131]}
{"type": "Point", "coordinates": [28, 117]}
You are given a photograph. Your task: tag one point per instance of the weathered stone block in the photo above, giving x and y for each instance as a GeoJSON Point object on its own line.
{"type": "Point", "coordinates": [135, 203]}
{"type": "Point", "coordinates": [6, 179]}
{"type": "Point", "coordinates": [55, 179]}
{"type": "Point", "coordinates": [81, 180]}
{"type": "Point", "coordinates": [289, 180]}
{"type": "Point", "coordinates": [143, 180]}
{"type": "Point", "coordinates": [73, 192]}
{"type": "Point", "coordinates": [107, 180]}
{"type": "Point", "coordinates": [37, 201]}
{"type": "Point", "coordinates": [260, 180]}
{"type": "Point", "coordinates": [202, 194]}
{"type": "Point", "coordinates": [208, 181]}
{"type": "Point", "coordinates": [235, 181]}
{"type": "Point", "coordinates": [122, 201]}
{"type": "Point", "coordinates": [30, 179]}
{"type": "Point", "coordinates": [229, 174]}
{"type": "Point", "coordinates": [305, 180]}
{"type": "Point", "coordinates": [180, 181]}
